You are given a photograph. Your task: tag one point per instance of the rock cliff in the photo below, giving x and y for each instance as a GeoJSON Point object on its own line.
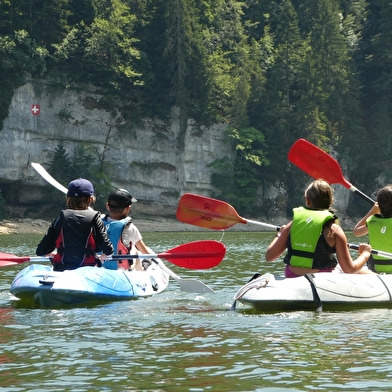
{"type": "Point", "coordinates": [155, 161]}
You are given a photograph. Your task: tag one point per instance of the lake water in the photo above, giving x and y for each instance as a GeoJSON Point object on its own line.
{"type": "Point", "coordinates": [178, 341]}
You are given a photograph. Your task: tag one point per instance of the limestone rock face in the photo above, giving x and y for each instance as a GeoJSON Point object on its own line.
{"type": "Point", "coordinates": [156, 161]}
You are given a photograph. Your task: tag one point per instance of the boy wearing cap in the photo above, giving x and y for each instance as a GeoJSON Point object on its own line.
{"type": "Point", "coordinates": [78, 233]}
{"type": "Point", "coordinates": [122, 232]}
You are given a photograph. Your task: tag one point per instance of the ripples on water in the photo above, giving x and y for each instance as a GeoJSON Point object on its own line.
{"type": "Point", "coordinates": [180, 341]}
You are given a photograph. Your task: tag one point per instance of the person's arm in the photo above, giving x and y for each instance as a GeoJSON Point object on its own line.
{"type": "Point", "coordinates": [278, 244]}
{"type": "Point", "coordinates": [131, 235]}
{"type": "Point", "coordinates": [347, 264]}
{"type": "Point", "coordinates": [361, 227]}
{"type": "Point", "coordinates": [48, 242]}
{"type": "Point", "coordinates": [141, 247]}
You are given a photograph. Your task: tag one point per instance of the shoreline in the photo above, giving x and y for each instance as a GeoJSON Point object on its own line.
{"type": "Point", "coordinates": [40, 226]}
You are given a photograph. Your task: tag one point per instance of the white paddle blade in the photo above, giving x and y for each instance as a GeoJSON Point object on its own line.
{"type": "Point", "coordinates": [194, 286]}
{"type": "Point", "coordinates": [46, 176]}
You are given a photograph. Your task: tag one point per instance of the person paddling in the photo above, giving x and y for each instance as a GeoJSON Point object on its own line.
{"type": "Point", "coordinates": [122, 232]}
{"type": "Point", "coordinates": [314, 236]}
{"type": "Point", "coordinates": [378, 224]}
{"type": "Point", "coordinates": [77, 233]}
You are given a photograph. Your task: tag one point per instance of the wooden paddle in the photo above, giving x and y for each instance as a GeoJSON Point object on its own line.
{"type": "Point", "coordinates": [193, 255]}
{"type": "Point", "coordinates": [211, 213]}
{"type": "Point", "coordinates": [318, 164]}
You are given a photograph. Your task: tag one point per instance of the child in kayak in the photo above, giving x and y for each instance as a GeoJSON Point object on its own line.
{"type": "Point", "coordinates": [313, 238]}
{"type": "Point", "coordinates": [124, 235]}
{"type": "Point", "coordinates": [378, 224]}
{"type": "Point", "coordinates": [77, 233]}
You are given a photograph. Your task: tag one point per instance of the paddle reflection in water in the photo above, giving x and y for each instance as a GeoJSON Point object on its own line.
{"type": "Point", "coordinates": [180, 341]}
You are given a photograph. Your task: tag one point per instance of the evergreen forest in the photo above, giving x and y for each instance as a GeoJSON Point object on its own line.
{"type": "Point", "coordinates": [273, 71]}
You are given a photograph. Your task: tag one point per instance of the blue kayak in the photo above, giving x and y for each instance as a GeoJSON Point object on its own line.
{"type": "Point", "coordinates": [40, 285]}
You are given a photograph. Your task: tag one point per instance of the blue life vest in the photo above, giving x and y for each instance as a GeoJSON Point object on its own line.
{"type": "Point", "coordinates": [114, 230]}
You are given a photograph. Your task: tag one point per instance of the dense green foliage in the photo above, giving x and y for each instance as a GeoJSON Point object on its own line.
{"type": "Point", "coordinates": [273, 70]}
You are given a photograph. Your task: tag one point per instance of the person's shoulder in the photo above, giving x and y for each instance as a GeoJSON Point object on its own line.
{"type": "Point", "coordinates": [130, 225]}
{"type": "Point", "coordinates": [337, 229]}
{"type": "Point", "coordinates": [127, 221]}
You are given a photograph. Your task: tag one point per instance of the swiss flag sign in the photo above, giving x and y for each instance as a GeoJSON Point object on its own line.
{"type": "Point", "coordinates": [35, 109]}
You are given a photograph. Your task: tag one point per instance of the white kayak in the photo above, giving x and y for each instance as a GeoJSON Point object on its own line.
{"type": "Point", "coordinates": [40, 285]}
{"type": "Point", "coordinates": [328, 291]}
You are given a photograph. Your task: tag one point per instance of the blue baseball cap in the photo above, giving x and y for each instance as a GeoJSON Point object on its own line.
{"type": "Point", "coordinates": [80, 188]}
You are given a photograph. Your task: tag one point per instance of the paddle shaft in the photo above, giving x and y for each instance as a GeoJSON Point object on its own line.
{"type": "Point", "coordinates": [361, 194]}
{"type": "Point", "coordinates": [22, 259]}
{"type": "Point", "coordinates": [165, 255]}
{"type": "Point", "coordinates": [373, 251]}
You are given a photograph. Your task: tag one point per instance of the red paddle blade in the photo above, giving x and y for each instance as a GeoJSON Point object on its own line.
{"type": "Point", "coordinates": [196, 255]}
{"type": "Point", "coordinates": [207, 212]}
{"type": "Point", "coordinates": [9, 259]}
{"type": "Point", "coordinates": [316, 163]}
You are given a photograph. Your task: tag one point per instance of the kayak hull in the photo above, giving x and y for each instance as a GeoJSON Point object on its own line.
{"type": "Point", "coordinates": [327, 291]}
{"type": "Point", "coordinates": [40, 285]}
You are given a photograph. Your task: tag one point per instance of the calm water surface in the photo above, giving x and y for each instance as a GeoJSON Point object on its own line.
{"type": "Point", "coordinates": [179, 341]}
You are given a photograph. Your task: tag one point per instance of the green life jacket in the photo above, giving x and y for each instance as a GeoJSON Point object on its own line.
{"type": "Point", "coordinates": [307, 246]}
{"type": "Point", "coordinates": [380, 237]}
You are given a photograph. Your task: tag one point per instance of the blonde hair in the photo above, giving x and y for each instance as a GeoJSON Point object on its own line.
{"type": "Point", "coordinates": [320, 194]}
